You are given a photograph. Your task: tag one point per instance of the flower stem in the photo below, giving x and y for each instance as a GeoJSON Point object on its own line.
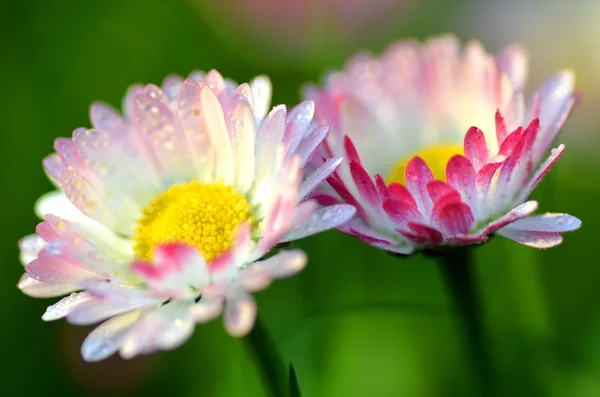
{"type": "Point", "coordinates": [457, 269]}
{"type": "Point", "coordinates": [268, 361]}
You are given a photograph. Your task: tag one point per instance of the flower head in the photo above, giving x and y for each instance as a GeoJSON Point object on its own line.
{"type": "Point", "coordinates": [439, 146]}
{"type": "Point", "coordinates": [163, 215]}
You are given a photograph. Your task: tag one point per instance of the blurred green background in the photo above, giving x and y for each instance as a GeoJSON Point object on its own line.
{"type": "Point", "coordinates": [356, 322]}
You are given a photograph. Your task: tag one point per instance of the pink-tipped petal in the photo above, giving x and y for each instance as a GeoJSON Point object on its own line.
{"type": "Point", "coordinates": [364, 184]}
{"type": "Point", "coordinates": [401, 193]}
{"type": "Point", "coordinates": [57, 269]}
{"type": "Point", "coordinates": [350, 150]}
{"type": "Point", "coordinates": [382, 189]}
{"type": "Point", "coordinates": [422, 234]}
{"type": "Point", "coordinates": [341, 189]}
{"type": "Point", "coordinates": [501, 129]}
{"type": "Point", "coordinates": [418, 176]}
{"type": "Point", "coordinates": [487, 172]}
{"type": "Point", "coordinates": [439, 190]}
{"type": "Point", "coordinates": [175, 267]}
{"type": "Point", "coordinates": [453, 219]}
{"type": "Point", "coordinates": [475, 147]}
{"type": "Point", "coordinates": [461, 176]}
{"type": "Point", "coordinates": [401, 211]}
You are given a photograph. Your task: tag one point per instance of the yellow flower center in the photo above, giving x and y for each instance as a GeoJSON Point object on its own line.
{"type": "Point", "coordinates": [436, 158]}
{"type": "Point", "coordinates": [205, 215]}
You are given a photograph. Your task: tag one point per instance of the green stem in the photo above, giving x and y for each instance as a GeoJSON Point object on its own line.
{"type": "Point", "coordinates": [268, 361]}
{"type": "Point", "coordinates": [457, 269]}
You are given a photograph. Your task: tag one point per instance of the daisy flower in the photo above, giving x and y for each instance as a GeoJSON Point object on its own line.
{"type": "Point", "coordinates": [440, 147]}
{"type": "Point", "coordinates": [165, 216]}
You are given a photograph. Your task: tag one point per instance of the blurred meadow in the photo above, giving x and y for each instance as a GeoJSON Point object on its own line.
{"type": "Point", "coordinates": [356, 321]}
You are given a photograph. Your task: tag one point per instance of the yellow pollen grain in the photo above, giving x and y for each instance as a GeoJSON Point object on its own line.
{"type": "Point", "coordinates": [436, 158]}
{"type": "Point", "coordinates": [205, 215]}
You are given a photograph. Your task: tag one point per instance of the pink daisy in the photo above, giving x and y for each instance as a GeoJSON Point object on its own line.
{"type": "Point", "coordinates": [163, 215]}
{"type": "Point", "coordinates": [440, 147]}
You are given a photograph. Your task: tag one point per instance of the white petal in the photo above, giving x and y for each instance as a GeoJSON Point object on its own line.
{"type": "Point", "coordinates": [206, 309]}
{"type": "Point", "coordinates": [30, 246]}
{"type": "Point", "coordinates": [268, 139]}
{"type": "Point", "coordinates": [106, 339]}
{"type": "Point", "coordinates": [548, 223]}
{"type": "Point", "coordinates": [240, 312]}
{"type": "Point", "coordinates": [65, 306]}
{"type": "Point", "coordinates": [164, 328]}
{"type": "Point", "coordinates": [540, 240]}
{"type": "Point", "coordinates": [97, 310]}
{"type": "Point", "coordinates": [310, 143]}
{"type": "Point", "coordinates": [212, 112]}
{"type": "Point", "coordinates": [244, 137]}
{"type": "Point", "coordinates": [38, 289]}
{"type": "Point", "coordinates": [261, 91]}
{"type": "Point", "coordinates": [284, 264]}
{"type": "Point", "coordinates": [318, 176]}
{"type": "Point", "coordinates": [323, 219]}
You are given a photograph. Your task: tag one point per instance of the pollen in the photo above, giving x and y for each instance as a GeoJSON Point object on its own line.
{"type": "Point", "coordinates": [205, 215]}
{"type": "Point", "coordinates": [436, 157]}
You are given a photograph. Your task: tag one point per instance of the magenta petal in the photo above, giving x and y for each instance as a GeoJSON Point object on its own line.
{"type": "Point", "coordinates": [364, 183]}
{"type": "Point", "coordinates": [400, 211]}
{"type": "Point", "coordinates": [453, 218]}
{"type": "Point", "coordinates": [501, 131]}
{"type": "Point", "coordinates": [346, 196]}
{"type": "Point", "coordinates": [401, 193]}
{"type": "Point", "coordinates": [475, 147]}
{"type": "Point", "coordinates": [511, 142]}
{"type": "Point", "coordinates": [439, 190]}
{"type": "Point", "coordinates": [325, 199]}
{"type": "Point", "coordinates": [422, 234]}
{"type": "Point", "coordinates": [486, 173]}
{"type": "Point", "coordinates": [510, 169]}
{"type": "Point", "coordinates": [382, 189]}
{"type": "Point", "coordinates": [530, 134]}
{"type": "Point", "coordinates": [418, 175]}
{"type": "Point", "coordinates": [461, 176]}
{"type": "Point", "coordinates": [350, 149]}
